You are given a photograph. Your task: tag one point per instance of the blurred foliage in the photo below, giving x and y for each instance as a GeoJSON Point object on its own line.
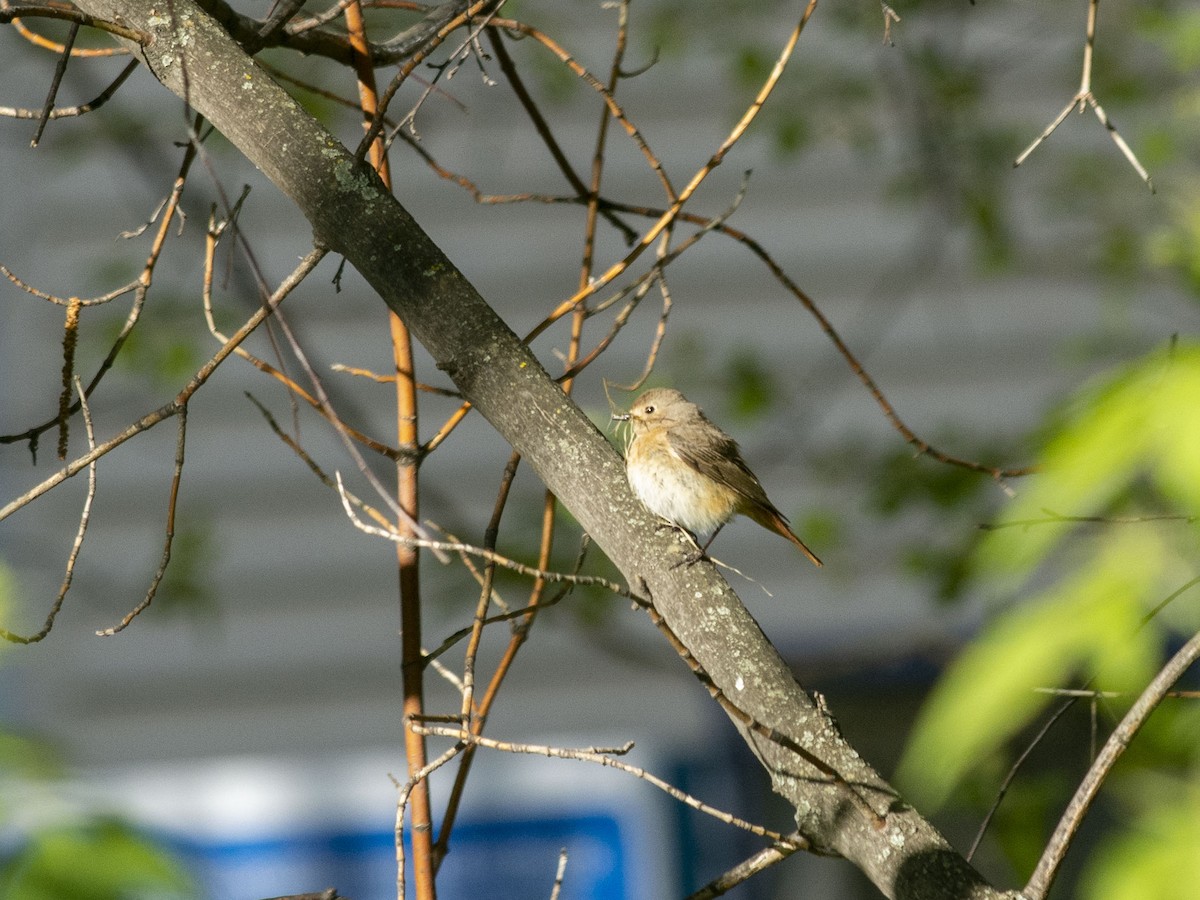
{"type": "Point", "coordinates": [746, 380]}
{"type": "Point", "coordinates": [186, 587]}
{"type": "Point", "coordinates": [749, 383]}
{"type": "Point", "coordinates": [98, 859]}
{"type": "Point", "coordinates": [935, 509]}
{"type": "Point", "coordinates": [50, 849]}
{"type": "Point", "coordinates": [1156, 857]}
{"type": "Point", "coordinates": [1104, 540]}
{"type": "Point", "coordinates": [23, 757]}
{"type": "Point", "coordinates": [55, 849]}
{"type": "Point", "coordinates": [932, 112]}
{"type": "Point", "coordinates": [165, 346]}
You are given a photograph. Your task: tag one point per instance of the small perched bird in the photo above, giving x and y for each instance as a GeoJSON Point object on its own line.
{"type": "Point", "coordinates": [691, 473]}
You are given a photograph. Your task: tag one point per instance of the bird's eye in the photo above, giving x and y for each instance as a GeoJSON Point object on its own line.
{"type": "Point", "coordinates": [649, 410]}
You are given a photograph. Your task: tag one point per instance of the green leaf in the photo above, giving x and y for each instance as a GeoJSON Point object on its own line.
{"type": "Point", "coordinates": [1138, 430]}
{"type": "Point", "coordinates": [26, 758]}
{"type": "Point", "coordinates": [1090, 622]}
{"type": "Point", "coordinates": [102, 860]}
{"type": "Point", "coordinates": [1156, 859]}
{"type": "Point", "coordinates": [1141, 423]}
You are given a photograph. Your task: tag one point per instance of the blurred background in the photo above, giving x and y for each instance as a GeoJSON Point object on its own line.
{"type": "Point", "coordinates": [236, 741]}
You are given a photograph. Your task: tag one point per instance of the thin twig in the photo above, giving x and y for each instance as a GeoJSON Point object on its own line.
{"type": "Point", "coordinates": [169, 536]}
{"type": "Point", "coordinates": [16, 13]}
{"type": "Point", "coordinates": [85, 517]}
{"type": "Point", "coordinates": [1060, 841]}
{"type": "Point", "coordinates": [68, 301]}
{"type": "Point", "coordinates": [697, 179]}
{"type": "Point", "coordinates": [657, 275]}
{"type": "Point", "coordinates": [920, 445]}
{"type": "Point", "coordinates": [140, 287]}
{"type": "Point", "coordinates": [490, 536]}
{"type": "Point", "coordinates": [455, 547]}
{"type": "Point", "coordinates": [475, 572]}
{"type": "Point", "coordinates": [59, 70]}
{"type": "Point", "coordinates": [1073, 695]}
{"type": "Point", "coordinates": [509, 615]}
{"type": "Point", "coordinates": [559, 874]}
{"type": "Point", "coordinates": [149, 420]}
{"type": "Point", "coordinates": [890, 17]}
{"type": "Point", "coordinates": [743, 871]}
{"type": "Point", "coordinates": [347, 436]}
{"type": "Point", "coordinates": [1053, 518]}
{"type": "Point", "coordinates": [608, 760]}
{"type": "Point", "coordinates": [1012, 775]}
{"type": "Point", "coordinates": [214, 233]}
{"type": "Point", "coordinates": [1084, 98]}
{"type": "Point", "coordinates": [70, 340]}
{"type": "Point", "coordinates": [404, 792]}
{"type": "Point", "coordinates": [542, 127]}
{"type": "Point", "coordinates": [1110, 695]}
{"type": "Point", "coordinates": [432, 42]}
{"type": "Point", "coordinates": [471, 713]}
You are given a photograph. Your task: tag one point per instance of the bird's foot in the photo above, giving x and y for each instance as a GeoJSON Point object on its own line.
{"type": "Point", "coordinates": [691, 555]}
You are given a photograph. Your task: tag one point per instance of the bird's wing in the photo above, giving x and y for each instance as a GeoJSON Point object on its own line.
{"type": "Point", "coordinates": [714, 454]}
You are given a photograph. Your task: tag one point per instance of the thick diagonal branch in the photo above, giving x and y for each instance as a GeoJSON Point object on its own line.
{"type": "Point", "coordinates": [352, 214]}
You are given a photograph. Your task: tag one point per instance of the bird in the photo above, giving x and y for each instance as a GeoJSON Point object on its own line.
{"type": "Point", "coordinates": [689, 472]}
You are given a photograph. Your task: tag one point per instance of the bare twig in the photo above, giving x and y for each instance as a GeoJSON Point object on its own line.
{"type": "Point", "coordinates": [70, 340]}
{"type": "Point", "coordinates": [490, 535]}
{"type": "Point", "coordinates": [347, 435]}
{"type": "Point", "coordinates": [890, 17]}
{"type": "Point", "coordinates": [607, 759]}
{"type": "Point", "coordinates": [1084, 98]}
{"type": "Point", "coordinates": [452, 639]}
{"type": "Point", "coordinates": [919, 444]}
{"type": "Point", "coordinates": [67, 112]}
{"type": "Point", "coordinates": [431, 42]}
{"type": "Point", "coordinates": [1060, 841]}
{"type": "Point", "coordinates": [169, 537]}
{"type": "Point", "coordinates": [214, 232]}
{"type": "Point", "coordinates": [586, 193]}
{"type": "Point", "coordinates": [16, 13]}
{"type": "Point", "coordinates": [59, 70]}
{"type": "Point", "coordinates": [743, 871]}
{"type": "Point", "coordinates": [447, 675]}
{"type": "Point", "coordinates": [559, 874]}
{"type": "Point", "coordinates": [697, 179]}
{"type": "Point", "coordinates": [1073, 695]}
{"type": "Point", "coordinates": [1011, 776]}
{"type": "Point", "coordinates": [68, 301]}
{"type": "Point", "coordinates": [1053, 518]}
{"type": "Point", "coordinates": [1110, 695]}
{"type": "Point", "coordinates": [360, 372]}
{"type": "Point", "coordinates": [483, 552]}
{"type": "Point", "coordinates": [85, 516]}
{"type": "Point", "coordinates": [140, 289]}
{"type": "Point", "coordinates": [657, 275]}
{"type": "Point", "coordinates": [149, 420]}
{"type": "Point", "coordinates": [404, 792]}
{"type": "Point", "coordinates": [471, 714]}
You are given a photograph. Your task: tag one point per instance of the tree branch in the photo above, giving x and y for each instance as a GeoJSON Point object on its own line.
{"type": "Point", "coordinates": [1056, 848]}
{"type": "Point", "coordinates": [352, 214]}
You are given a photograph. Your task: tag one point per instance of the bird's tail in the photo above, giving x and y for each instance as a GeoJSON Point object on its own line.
{"type": "Point", "coordinates": [773, 520]}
